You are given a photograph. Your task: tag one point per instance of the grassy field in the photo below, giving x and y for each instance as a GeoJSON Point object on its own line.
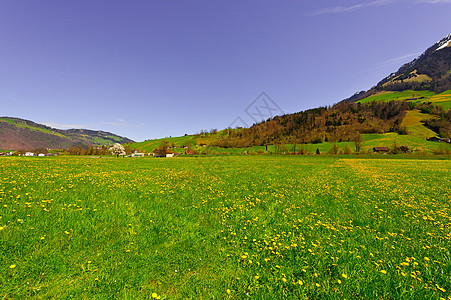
{"type": "Point", "coordinates": [416, 141]}
{"type": "Point", "coordinates": [443, 99]}
{"type": "Point", "coordinates": [412, 121]}
{"type": "Point", "coordinates": [150, 145]}
{"type": "Point", "coordinates": [238, 227]}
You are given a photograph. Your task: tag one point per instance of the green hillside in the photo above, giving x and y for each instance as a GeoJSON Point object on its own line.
{"type": "Point", "coordinates": [24, 124]}
{"type": "Point", "coordinates": [150, 145]}
{"type": "Point", "coordinates": [21, 134]}
{"type": "Point", "coordinates": [412, 121]}
{"type": "Point", "coordinates": [443, 99]}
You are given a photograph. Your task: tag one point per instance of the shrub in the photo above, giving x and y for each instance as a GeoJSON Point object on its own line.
{"type": "Point", "coordinates": [334, 150]}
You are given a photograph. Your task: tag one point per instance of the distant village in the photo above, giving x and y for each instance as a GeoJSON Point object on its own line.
{"type": "Point", "coordinates": [165, 150]}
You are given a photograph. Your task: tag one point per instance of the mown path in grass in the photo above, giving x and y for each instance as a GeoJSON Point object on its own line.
{"type": "Point", "coordinates": [218, 227]}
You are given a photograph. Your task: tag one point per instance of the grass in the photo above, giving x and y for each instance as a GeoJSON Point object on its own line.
{"type": "Point", "coordinates": [150, 145]}
{"type": "Point", "coordinates": [412, 121]}
{"type": "Point", "coordinates": [404, 95]}
{"type": "Point", "coordinates": [225, 227]}
{"type": "Point", "coordinates": [416, 143]}
{"type": "Point", "coordinates": [443, 99]}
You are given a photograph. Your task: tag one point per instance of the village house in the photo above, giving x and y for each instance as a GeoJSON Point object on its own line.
{"type": "Point", "coordinates": [169, 153]}
{"type": "Point", "coordinates": [381, 149]}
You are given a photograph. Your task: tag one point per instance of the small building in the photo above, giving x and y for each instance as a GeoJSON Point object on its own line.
{"type": "Point", "coordinates": [29, 154]}
{"type": "Point", "coordinates": [169, 153]}
{"type": "Point", "coordinates": [138, 154]}
{"type": "Point", "coordinates": [41, 154]}
{"type": "Point", "coordinates": [381, 149]}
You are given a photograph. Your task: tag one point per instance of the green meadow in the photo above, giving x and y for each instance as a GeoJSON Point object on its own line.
{"type": "Point", "coordinates": [443, 99]}
{"type": "Point", "coordinates": [226, 227]}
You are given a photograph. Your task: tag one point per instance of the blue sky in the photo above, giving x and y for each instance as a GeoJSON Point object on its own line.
{"type": "Point", "coordinates": [148, 69]}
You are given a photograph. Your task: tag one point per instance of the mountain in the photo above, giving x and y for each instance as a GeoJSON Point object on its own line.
{"type": "Point", "coordinates": [19, 134]}
{"type": "Point", "coordinates": [430, 71]}
{"type": "Point", "coordinates": [419, 90]}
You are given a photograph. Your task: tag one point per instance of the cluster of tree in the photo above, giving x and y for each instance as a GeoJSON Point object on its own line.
{"type": "Point", "coordinates": [163, 149]}
{"type": "Point", "coordinates": [341, 122]}
{"type": "Point", "coordinates": [441, 125]}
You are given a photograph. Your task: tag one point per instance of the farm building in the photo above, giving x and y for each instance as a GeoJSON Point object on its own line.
{"type": "Point", "coordinates": [381, 149]}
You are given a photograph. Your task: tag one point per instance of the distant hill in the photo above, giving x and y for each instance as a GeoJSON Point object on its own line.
{"type": "Point", "coordinates": [19, 134]}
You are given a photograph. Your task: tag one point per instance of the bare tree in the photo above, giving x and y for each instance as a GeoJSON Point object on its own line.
{"type": "Point", "coordinates": [357, 139]}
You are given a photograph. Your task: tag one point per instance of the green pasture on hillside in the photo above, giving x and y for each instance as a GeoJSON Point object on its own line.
{"type": "Point", "coordinates": [150, 145]}
{"type": "Point", "coordinates": [442, 99]}
{"type": "Point", "coordinates": [228, 227]}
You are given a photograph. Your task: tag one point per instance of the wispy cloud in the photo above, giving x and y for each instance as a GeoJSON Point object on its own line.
{"type": "Point", "coordinates": [117, 123]}
{"type": "Point", "coordinates": [64, 126]}
{"type": "Point", "coordinates": [434, 1]}
{"type": "Point", "coordinates": [347, 9]}
{"type": "Point", "coordinates": [400, 58]}
{"type": "Point", "coordinates": [396, 61]}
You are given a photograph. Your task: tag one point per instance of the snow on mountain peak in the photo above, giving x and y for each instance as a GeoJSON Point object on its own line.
{"type": "Point", "coordinates": [443, 43]}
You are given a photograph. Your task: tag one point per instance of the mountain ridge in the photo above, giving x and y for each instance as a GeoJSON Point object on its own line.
{"type": "Point", "coordinates": [22, 134]}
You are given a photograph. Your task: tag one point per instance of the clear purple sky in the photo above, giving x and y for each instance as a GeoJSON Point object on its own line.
{"type": "Point", "coordinates": [151, 68]}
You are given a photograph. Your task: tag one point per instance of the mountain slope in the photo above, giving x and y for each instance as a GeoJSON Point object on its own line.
{"type": "Point", "coordinates": [430, 71]}
{"type": "Point", "coordinates": [415, 91]}
{"type": "Point", "coordinates": [19, 134]}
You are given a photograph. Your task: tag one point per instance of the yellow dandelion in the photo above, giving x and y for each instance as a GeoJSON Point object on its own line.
{"type": "Point", "coordinates": [339, 281]}
{"type": "Point", "coordinates": [426, 258]}
{"type": "Point", "coordinates": [256, 277]}
{"type": "Point", "coordinates": [155, 296]}
{"type": "Point", "coordinates": [317, 284]}
{"type": "Point", "coordinates": [300, 282]}
{"type": "Point", "coordinates": [12, 266]}
{"type": "Point", "coordinates": [229, 291]}
{"type": "Point", "coordinates": [344, 275]}
{"type": "Point", "coordinates": [284, 279]}
{"type": "Point", "coordinates": [66, 232]}
{"type": "Point", "coordinates": [383, 272]}
{"type": "Point", "coordinates": [440, 288]}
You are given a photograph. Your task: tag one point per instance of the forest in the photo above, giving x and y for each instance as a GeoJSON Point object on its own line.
{"type": "Point", "coordinates": [344, 121]}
